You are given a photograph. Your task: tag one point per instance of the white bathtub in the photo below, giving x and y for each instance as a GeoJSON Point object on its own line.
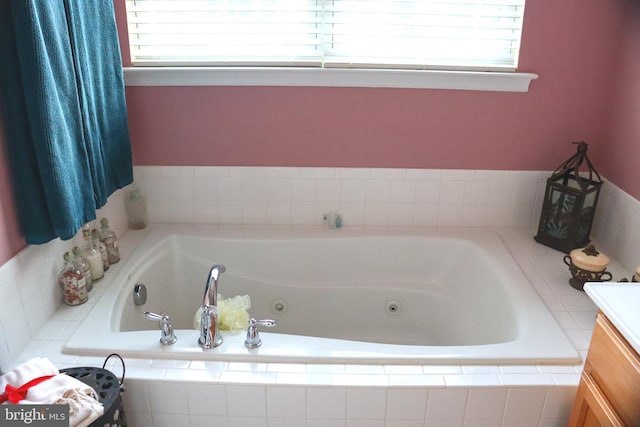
{"type": "Point", "coordinates": [451, 296]}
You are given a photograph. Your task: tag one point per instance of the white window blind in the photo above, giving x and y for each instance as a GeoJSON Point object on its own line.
{"type": "Point", "coordinates": [411, 34]}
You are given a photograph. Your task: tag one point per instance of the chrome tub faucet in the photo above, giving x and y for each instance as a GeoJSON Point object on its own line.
{"type": "Point", "coordinates": [209, 331]}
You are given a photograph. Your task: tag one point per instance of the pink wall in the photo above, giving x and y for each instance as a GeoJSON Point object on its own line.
{"type": "Point", "coordinates": [622, 165]}
{"type": "Point", "coordinates": [10, 239]}
{"type": "Point", "coordinates": [571, 44]}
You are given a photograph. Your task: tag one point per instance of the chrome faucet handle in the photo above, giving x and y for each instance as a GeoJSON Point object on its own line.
{"type": "Point", "coordinates": [167, 337]}
{"type": "Point", "coordinates": [253, 337]}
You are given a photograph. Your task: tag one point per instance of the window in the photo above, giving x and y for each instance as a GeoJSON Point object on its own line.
{"type": "Point", "coordinates": [390, 34]}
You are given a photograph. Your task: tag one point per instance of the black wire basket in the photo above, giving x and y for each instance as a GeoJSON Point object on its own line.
{"type": "Point", "coordinates": [108, 388]}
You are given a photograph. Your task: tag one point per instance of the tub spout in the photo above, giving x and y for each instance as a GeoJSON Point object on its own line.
{"type": "Point", "coordinates": [209, 334]}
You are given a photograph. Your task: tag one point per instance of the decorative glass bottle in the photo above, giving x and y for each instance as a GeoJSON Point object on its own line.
{"type": "Point", "coordinates": [136, 207]}
{"type": "Point", "coordinates": [72, 282]}
{"type": "Point", "coordinates": [91, 255]}
{"type": "Point", "coordinates": [101, 248]}
{"type": "Point", "coordinates": [81, 264]}
{"type": "Point", "coordinates": [110, 240]}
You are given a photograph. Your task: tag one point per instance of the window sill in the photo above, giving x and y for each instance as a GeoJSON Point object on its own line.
{"type": "Point", "coordinates": [241, 76]}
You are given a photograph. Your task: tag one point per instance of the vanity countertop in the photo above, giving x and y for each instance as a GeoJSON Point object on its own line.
{"type": "Point", "coordinates": [620, 302]}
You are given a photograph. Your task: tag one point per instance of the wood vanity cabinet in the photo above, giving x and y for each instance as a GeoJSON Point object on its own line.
{"type": "Point", "coordinates": [609, 389]}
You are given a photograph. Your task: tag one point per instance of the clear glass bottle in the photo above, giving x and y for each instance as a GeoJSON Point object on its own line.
{"type": "Point", "coordinates": [72, 282]}
{"type": "Point", "coordinates": [91, 255]}
{"type": "Point", "coordinates": [101, 248]}
{"type": "Point", "coordinates": [81, 264]}
{"type": "Point", "coordinates": [110, 240]}
{"type": "Point", "coordinates": [136, 206]}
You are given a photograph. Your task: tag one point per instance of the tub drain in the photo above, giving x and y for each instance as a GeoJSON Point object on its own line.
{"type": "Point", "coordinates": [393, 307]}
{"type": "Point", "coordinates": [279, 306]}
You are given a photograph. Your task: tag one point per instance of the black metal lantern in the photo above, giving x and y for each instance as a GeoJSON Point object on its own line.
{"type": "Point", "coordinates": [569, 203]}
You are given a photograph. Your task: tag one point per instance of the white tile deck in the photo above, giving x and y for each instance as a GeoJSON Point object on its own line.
{"type": "Point", "coordinates": [528, 394]}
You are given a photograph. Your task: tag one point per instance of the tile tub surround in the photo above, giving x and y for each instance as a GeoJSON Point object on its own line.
{"type": "Point", "coordinates": [617, 226]}
{"type": "Point", "coordinates": [293, 196]}
{"type": "Point", "coordinates": [340, 395]}
{"type": "Point", "coordinates": [365, 197]}
{"type": "Point", "coordinates": [270, 394]}
{"type": "Point", "coordinates": [29, 291]}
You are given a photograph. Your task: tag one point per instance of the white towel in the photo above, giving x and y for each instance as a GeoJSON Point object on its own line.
{"type": "Point", "coordinates": [82, 399]}
{"type": "Point", "coordinates": [21, 374]}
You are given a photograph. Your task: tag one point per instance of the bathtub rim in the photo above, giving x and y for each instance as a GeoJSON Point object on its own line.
{"type": "Point", "coordinates": [91, 338]}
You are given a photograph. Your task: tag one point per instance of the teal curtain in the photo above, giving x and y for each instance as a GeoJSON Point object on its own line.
{"type": "Point", "coordinates": [62, 94]}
